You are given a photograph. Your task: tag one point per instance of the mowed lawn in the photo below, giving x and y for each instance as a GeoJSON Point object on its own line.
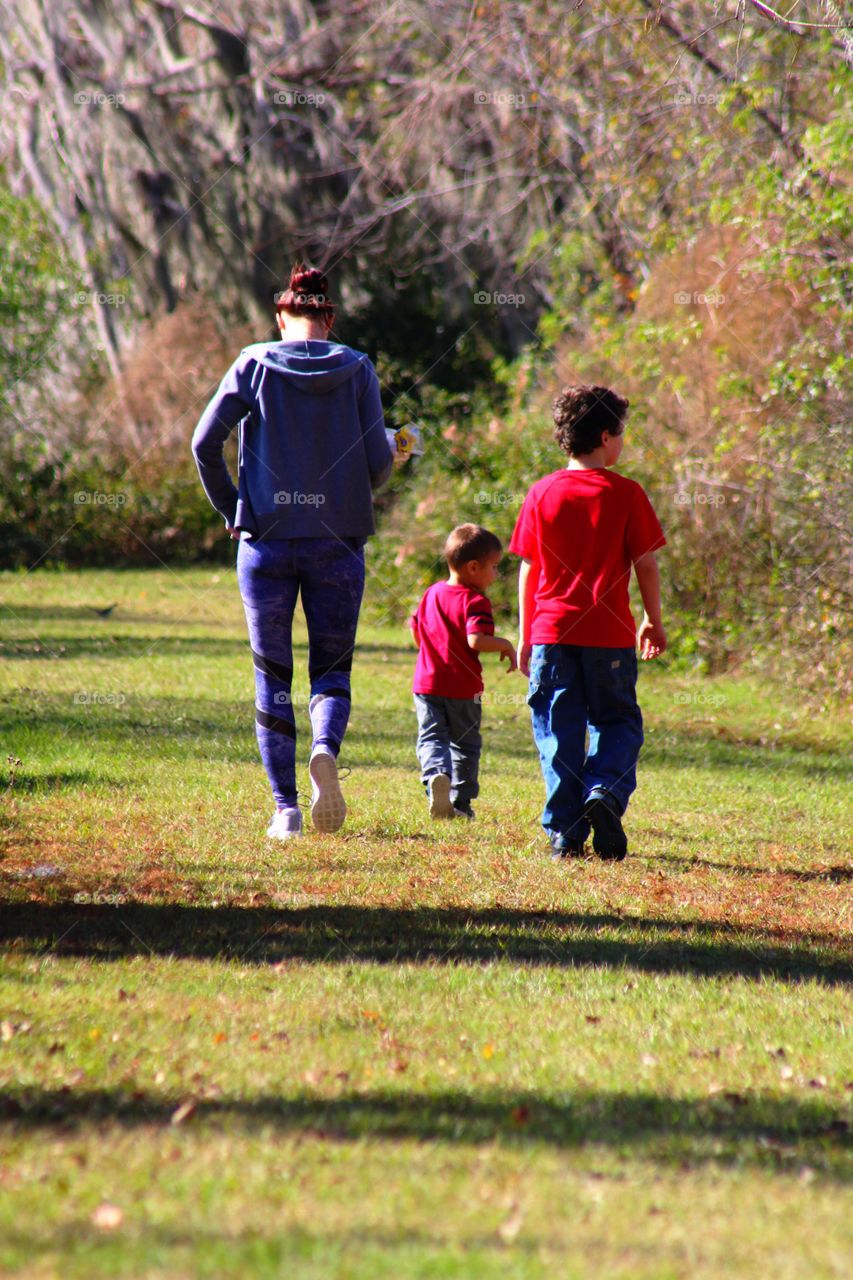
{"type": "Point", "coordinates": [409, 1049]}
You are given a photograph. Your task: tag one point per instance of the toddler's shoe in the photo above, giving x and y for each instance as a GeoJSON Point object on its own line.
{"type": "Point", "coordinates": [608, 838]}
{"type": "Point", "coordinates": [561, 848]}
{"type": "Point", "coordinates": [286, 823]}
{"type": "Point", "coordinates": [438, 788]}
{"type": "Point", "coordinates": [467, 812]}
{"type": "Point", "coordinates": [328, 807]}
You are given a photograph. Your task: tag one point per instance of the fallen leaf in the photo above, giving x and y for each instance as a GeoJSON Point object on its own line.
{"type": "Point", "coordinates": [220, 1037]}
{"type": "Point", "coordinates": [107, 1217]}
{"type": "Point", "coordinates": [818, 1082]}
{"type": "Point", "coordinates": [488, 1051]}
{"type": "Point", "coordinates": [510, 1227]}
{"type": "Point", "coordinates": [520, 1115]}
{"type": "Point", "coordinates": [593, 1018]}
{"type": "Point", "coordinates": [183, 1112]}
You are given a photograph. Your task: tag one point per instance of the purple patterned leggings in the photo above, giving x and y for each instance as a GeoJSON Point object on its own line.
{"type": "Point", "coordinates": [330, 574]}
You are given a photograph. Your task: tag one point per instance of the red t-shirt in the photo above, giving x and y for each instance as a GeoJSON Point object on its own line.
{"type": "Point", "coordinates": [582, 530]}
{"type": "Point", "coordinates": [447, 666]}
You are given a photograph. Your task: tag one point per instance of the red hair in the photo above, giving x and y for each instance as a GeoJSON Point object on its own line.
{"type": "Point", "coordinates": [306, 295]}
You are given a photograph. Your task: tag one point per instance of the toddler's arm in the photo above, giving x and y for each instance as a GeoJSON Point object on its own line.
{"type": "Point", "coordinates": [651, 636]}
{"type": "Point", "coordinates": [482, 643]}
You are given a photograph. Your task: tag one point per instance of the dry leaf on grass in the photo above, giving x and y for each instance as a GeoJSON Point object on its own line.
{"type": "Point", "coordinates": [183, 1112]}
{"type": "Point", "coordinates": [107, 1217]}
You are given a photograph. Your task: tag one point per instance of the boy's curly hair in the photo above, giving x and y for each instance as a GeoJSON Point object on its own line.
{"type": "Point", "coordinates": [582, 413]}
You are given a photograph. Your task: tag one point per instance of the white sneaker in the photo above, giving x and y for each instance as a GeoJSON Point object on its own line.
{"type": "Point", "coordinates": [439, 796]}
{"type": "Point", "coordinates": [328, 807]}
{"type": "Point", "coordinates": [286, 823]}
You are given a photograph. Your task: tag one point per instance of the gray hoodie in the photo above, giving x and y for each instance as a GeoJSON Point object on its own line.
{"type": "Point", "coordinates": [311, 441]}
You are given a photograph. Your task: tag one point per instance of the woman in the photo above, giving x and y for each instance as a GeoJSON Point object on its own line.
{"type": "Point", "coordinates": [311, 448]}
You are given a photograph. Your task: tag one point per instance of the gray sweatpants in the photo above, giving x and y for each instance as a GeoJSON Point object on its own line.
{"type": "Point", "coordinates": [449, 742]}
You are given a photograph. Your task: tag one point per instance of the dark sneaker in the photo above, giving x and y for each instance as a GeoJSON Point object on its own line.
{"type": "Point", "coordinates": [562, 848]}
{"type": "Point", "coordinates": [608, 838]}
{"type": "Point", "coordinates": [463, 813]}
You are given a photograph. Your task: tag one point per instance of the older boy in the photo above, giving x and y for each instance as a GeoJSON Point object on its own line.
{"type": "Point", "coordinates": [578, 532]}
{"type": "Point", "coordinates": [452, 626]}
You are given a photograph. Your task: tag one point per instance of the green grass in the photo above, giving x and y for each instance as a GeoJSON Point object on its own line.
{"type": "Point", "coordinates": [411, 1049]}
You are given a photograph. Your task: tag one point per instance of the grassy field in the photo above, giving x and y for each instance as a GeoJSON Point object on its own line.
{"type": "Point", "coordinates": [410, 1049]}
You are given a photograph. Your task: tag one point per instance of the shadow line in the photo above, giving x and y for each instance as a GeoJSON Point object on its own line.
{"type": "Point", "coordinates": [750, 1127]}
{"type": "Point", "coordinates": [444, 935]}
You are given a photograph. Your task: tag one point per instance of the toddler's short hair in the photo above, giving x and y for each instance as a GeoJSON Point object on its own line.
{"type": "Point", "coordinates": [582, 413]}
{"type": "Point", "coordinates": [470, 542]}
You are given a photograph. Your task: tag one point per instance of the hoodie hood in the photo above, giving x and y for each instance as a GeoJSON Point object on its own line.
{"type": "Point", "coordinates": [308, 363]}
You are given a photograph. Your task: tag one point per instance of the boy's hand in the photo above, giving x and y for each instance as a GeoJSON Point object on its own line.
{"type": "Point", "coordinates": [524, 649]}
{"type": "Point", "coordinates": [509, 653]}
{"type": "Point", "coordinates": [234, 533]}
{"type": "Point", "coordinates": [651, 639]}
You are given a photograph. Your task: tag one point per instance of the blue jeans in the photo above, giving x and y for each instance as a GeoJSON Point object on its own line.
{"type": "Point", "coordinates": [330, 574]}
{"type": "Point", "coordinates": [449, 741]}
{"type": "Point", "coordinates": [574, 689]}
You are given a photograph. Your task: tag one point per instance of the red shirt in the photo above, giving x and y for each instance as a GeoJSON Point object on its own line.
{"type": "Point", "coordinates": [447, 666]}
{"type": "Point", "coordinates": [582, 530]}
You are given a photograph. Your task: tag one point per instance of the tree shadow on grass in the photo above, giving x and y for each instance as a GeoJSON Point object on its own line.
{"type": "Point", "coordinates": [836, 874]}
{"type": "Point", "coordinates": [725, 1128]}
{"type": "Point", "coordinates": [192, 722]}
{"type": "Point", "coordinates": [64, 648]}
{"type": "Point", "coordinates": [65, 780]}
{"type": "Point", "coordinates": [435, 935]}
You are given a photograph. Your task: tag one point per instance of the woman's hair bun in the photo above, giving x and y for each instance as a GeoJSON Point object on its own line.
{"type": "Point", "coordinates": [307, 293]}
